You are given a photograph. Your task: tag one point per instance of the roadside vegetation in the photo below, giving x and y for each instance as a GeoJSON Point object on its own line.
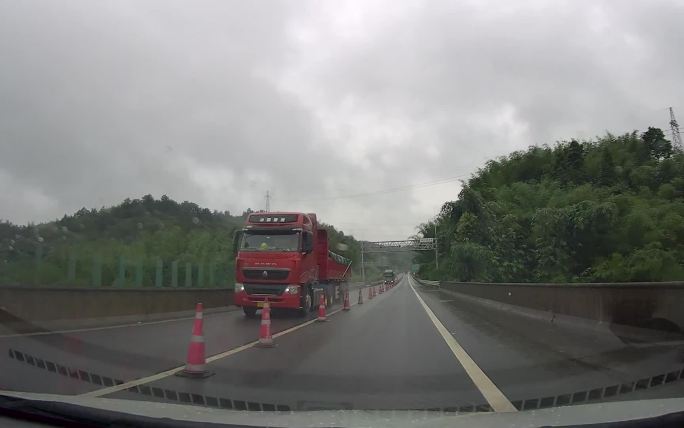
{"type": "Point", "coordinates": [610, 209]}
{"type": "Point", "coordinates": [137, 234]}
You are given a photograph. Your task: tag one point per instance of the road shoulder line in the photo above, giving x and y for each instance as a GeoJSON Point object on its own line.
{"type": "Point", "coordinates": [496, 399]}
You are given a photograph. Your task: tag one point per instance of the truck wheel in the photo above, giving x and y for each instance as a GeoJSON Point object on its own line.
{"type": "Point", "coordinates": [307, 303]}
{"type": "Point", "coordinates": [338, 296]}
{"type": "Point", "coordinates": [250, 311]}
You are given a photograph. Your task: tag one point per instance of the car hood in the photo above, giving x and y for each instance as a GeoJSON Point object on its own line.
{"type": "Point", "coordinates": [155, 412]}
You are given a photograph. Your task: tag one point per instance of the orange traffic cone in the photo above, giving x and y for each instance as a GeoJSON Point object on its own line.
{"type": "Point", "coordinates": [321, 309]}
{"type": "Point", "coordinates": [347, 305]}
{"type": "Point", "coordinates": [360, 302]}
{"type": "Point", "coordinates": [196, 364]}
{"type": "Point", "coordinates": [265, 338]}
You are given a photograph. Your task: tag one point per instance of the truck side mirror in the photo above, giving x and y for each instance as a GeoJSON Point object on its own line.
{"type": "Point", "coordinates": [307, 243]}
{"type": "Point", "coordinates": [237, 238]}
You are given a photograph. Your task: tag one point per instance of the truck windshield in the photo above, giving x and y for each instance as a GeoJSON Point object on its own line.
{"type": "Point", "coordinates": [270, 241]}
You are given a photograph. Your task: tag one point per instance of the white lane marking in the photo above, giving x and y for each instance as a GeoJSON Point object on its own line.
{"type": "Point", "coordinates": [109, 327]}
{"type": "Point", "coordinates": [496, 399]}
{"type": "Point", "coordinates": [211, 359]}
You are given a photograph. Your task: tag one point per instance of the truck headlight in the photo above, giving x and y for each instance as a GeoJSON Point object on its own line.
{"type": "Point", "coordinates": [239, 287]}
{"type": "Point", "coordinates": [292, 289]}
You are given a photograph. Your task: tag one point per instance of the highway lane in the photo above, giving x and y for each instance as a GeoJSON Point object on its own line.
{"type": "Point", "coordinates": [120, 353]}
{"type": "Point", "coordinates": [384, 354]}
{"type": "Point", "coordinates": [533, 360]}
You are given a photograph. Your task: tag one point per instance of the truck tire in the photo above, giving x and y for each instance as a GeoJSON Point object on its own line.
{"type": "Point", "coordinates": [307, 303]}
{"type": "Point", "coordinates": [329, 298]}
{"type": "Point", "coordinates": [250, 311]}
{"type": "Point", "coordinates": [337, 293]}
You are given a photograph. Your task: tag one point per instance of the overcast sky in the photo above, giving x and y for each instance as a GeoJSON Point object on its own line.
{"type": "Point", "coordinates": [216, 102]}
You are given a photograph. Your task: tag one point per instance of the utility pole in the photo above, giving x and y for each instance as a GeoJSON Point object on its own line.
{"type": "Point", "coordinates": [268, 201]}
{"type": "Point", "coordinates": [436, 249]}
{"type": "Point", "coordinates": [363, 267]}
{"type": "Point", "coordinates": [674, 126]}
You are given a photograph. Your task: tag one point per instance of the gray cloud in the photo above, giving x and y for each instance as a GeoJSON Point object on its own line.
{"type": "Point", "coordinates": [215, 102]}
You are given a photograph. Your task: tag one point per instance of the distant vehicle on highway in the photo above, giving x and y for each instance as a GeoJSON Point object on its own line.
{"type": "Point", "coordinates": [389, 277]}
{"type": "Point", "coordinates": [284, 257]}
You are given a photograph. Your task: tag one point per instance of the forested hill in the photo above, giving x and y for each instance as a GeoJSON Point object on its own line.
{"type": "Point", "coordinates": [139, 230]}
{"type": "Point", "coordinates": [605, 210]}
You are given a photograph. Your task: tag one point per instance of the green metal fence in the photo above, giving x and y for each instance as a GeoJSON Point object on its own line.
{"type": "Point", "coordinates": [94, 270]}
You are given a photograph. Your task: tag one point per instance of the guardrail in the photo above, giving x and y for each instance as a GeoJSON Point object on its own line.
{"type": "Point", "coordinates": [31, 309]}
{"type": "Point", "coordinates": [28, 309]}
{"type": "Point", "coordinates": [640, 304]}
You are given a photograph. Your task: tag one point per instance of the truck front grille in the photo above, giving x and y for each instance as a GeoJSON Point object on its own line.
{"type": "Point", "coordinates": [273, 289]}
{"type": "Point", "coordinates": [266, 274]}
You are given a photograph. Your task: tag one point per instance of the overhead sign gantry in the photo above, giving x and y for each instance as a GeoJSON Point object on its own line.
{"type": "Point", "coordinates": [416, 244]}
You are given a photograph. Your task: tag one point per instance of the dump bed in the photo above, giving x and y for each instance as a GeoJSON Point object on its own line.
{"type": "Point", "coordinates": [338, 268]}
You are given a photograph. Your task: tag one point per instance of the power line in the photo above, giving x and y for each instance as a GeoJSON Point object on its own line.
{"type": "Point", "coordinates": [383, 191]}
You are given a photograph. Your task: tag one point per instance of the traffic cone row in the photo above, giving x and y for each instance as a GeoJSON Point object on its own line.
{"type": "Point", "coordinates": [195, 366]}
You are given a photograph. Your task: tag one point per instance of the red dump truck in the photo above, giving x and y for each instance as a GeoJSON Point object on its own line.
{"type": "Point", "coordinates": [284, 257]}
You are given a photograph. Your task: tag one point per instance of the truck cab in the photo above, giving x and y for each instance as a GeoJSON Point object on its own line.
{"type": "Point", "coordinates": [282, 257]}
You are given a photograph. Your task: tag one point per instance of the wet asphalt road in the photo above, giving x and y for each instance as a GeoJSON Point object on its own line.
{"type": "Point", "coordinates": [384, 354]}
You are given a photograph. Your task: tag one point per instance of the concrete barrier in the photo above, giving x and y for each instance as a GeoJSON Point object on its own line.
{"type": "Point", "coordinates": [27, 309]}
{"type": "Point", "coordinates": [640, 304]}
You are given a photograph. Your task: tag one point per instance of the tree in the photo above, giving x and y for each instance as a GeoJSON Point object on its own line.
{"type": "Point", "coordinates": [658, 147]}
{"type": "Point", "coordinates": [606, 175]}
{"type": "Point", "coordinates": [569, 161]}
{"type": "Point", "coordinates": [603, 210]}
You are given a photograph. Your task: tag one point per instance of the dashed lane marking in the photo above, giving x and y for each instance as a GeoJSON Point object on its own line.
{"type": "Point", "coordinates": [496, 399]}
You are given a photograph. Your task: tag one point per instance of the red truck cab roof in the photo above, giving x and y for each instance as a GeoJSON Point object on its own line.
{"type": "Point", "coordinates": [281, 219]}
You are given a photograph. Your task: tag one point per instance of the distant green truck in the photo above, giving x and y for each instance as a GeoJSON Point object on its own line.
{"type": "Point", "coordinates": [388, 276]}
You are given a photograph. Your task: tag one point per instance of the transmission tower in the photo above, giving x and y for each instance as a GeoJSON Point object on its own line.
{"type": "Point", "coordinates": [674, 126]}
{"type": "Point", "coordinates": [268, 201]}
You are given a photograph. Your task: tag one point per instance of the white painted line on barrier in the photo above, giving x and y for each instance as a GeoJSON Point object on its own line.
{"type": "Point", "coordinates": [496, 399]}
{"type": "Point", "coordinates": [82, 330]}
{"type": "Point", "coordinates": [108, 327]}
